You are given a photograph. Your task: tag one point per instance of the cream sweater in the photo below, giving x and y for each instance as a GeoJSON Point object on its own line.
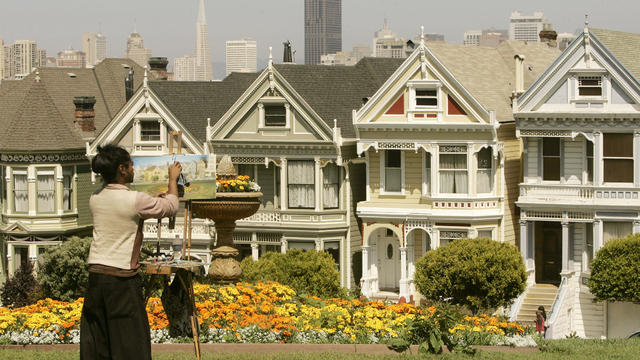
{"type": "Point", "coordinates": [118, 214]}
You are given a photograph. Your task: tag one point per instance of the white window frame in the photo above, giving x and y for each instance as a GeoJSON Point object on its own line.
{"type": "Point", "coordinates": [427, 179]}
{"type": "Point", "coordinates": [449, 239]}
{"type": "Point", "coordinates": [69, 170]}
{"type": "Point", "coordinates": [159, 131]}
{"type": "Point", "coordinates": [22, 171]}
{"type": "Point", "coordinates": [468, 169]}
{"type": "Point", "coordinates": [46, 172]}
{"type": "Point", "coordinates": [339, 185]}
{"type": "Point", "coordinates": [605, 158]}
{"type": "Point", "coordinates": [273, 101]}
{"type": "Point", "coordinates": [315, 187]}
{"type": "Point", "coordinates": [493, 230]}
{"type": "Point", "coordinates": [598, 78]}
{"type": "Point", "coordinates": [383, 157]}
{"type": "Point", "coordinates": [415, 108]}
{"type": "Point", "coordinates": [492, 172]}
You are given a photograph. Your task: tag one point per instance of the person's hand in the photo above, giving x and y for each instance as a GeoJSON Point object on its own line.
{"type": "Point", "coordinates": [174, 171]}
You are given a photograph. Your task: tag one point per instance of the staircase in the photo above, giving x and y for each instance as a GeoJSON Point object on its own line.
{"type": "Point", "coordinates": [537, 294]}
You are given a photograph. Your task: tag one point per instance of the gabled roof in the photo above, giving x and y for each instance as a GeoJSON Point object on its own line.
{"type": "Point", "coordinates": [39, 115]}
{"type": "Point", "coordinates": [624, 46]}
{"type": "Point", "coordinates": [192, 102]}
{"type": "Point", "coordinates": [488, 73]}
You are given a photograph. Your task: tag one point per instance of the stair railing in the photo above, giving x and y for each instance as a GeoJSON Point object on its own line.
{"type": "Point", "coordinates": [555, 308]}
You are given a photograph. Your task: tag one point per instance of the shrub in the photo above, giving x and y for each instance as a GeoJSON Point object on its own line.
{"type": "Point", "coordinates": [478, 273]}
{"type": "Point", "coordinates": [64, 272]}
{"type": "Point", "coordinates": [307, 272]}
{"type": "Point", "coordinates": [22, 289]}
{"type": "Point", "coordinates": [614, 271]}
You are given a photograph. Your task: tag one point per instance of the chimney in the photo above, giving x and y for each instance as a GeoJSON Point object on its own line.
{"type": "Point", "coordinates": [128, 85]}
{"type": "Point", "coordinates": [548, 35]}
{"type": "Point", "coordinates": [85, 116]}
{"type": "Point", "coordinates": [158, 67]}
{"type": "Point", "coordinates": [519, 88]}
{"type": "Point", "coordinates": [287, 57]}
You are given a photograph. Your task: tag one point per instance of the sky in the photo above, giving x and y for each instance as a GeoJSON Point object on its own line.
{"type": "Point", "coordinates": [168, 27]}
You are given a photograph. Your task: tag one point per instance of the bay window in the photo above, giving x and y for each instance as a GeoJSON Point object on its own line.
{"type": "Point", "coordinates": [67, 188]}
{"type": "Point", "coordinates": [551, 159]}
{"type": "Point", "coordinates": [393, 171]}
{"type": "Point", "coordinates": [615, 230]}
{"type": "Point", "coordinates": [484, 176]}
{"type": "Point", "coordinates": [618, 157]}
{"type": "Point", "coordinates": [454, 177]}
{"type": "Point", "coordinates": [589, 152]}
{"type": "Point", "coordinates": [46, 191]}
{"type": "Point", "coordinates": [331, 186]}
{"type": "Point", "coordinates": [301, 183]}
{"type": "Point", "coordinates": [20, 191]}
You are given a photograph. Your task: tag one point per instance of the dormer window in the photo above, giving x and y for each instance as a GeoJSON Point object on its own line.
{"type": "Point", "coordinates": [590, 86]}
{"type": "Point", "coordinates": [149, 130]}
{"type": "Point", "coordinates": [275, 115]}
{"type": "Point", "coordinates": [427, 98]}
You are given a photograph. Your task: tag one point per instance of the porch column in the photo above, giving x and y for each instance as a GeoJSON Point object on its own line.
{"type": "Point", "coordinates": [283, 245]}
{"type": "Point", "coordinates": [10, 257]}
{"type": "Point", "coordinates": [255, 254]}
{"type": "Point", "coordinates": [318, 244]}
{"type": "Point", "coordinates": [318, 185]}
{"type": "Point", "coordinates": [597, 236]}
{"type": "Point", "coordinates": [636, 227]}
{"type": "Point", "coordinates": [364, 279]}
{"type": "Point", "coordinates": [404, 282]}
{"type": "Point", "coordinates": [523, 242]}
{"type": "Point", "coordinates": [565, 247]}
{"type": "Point", "coordinates": [284, 196]}
{"type": "Point", "coordinates": [597, 158]}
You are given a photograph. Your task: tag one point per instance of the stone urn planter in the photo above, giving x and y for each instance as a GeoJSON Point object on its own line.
{"type": "Point", "coordinates": [224, 210]}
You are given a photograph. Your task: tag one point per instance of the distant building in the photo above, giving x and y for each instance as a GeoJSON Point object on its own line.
{"type": "Point", "coordinates": [564, 39]}
{"type": "Point", "coordinates": [241, 56]}
{"type": "Point", "coordinates": [204, 68]}
{"type": "Point", "coordinates": [526, 28]}
{"type": "Point", "coordinates": [20, 58]}
{"type": "Point", "coordinates": [322, 29]}
{"type": "Point", "coordinates": [433, 37]}
{"type": "Point", "coordinates": [1, 59]}
{"type": "Point", "coordinates": [472, 37]}
{"type": "Point", "coordinates": [71, 58]}
{"type": "Point", "coordinates": [136, 50]}
{"type": "Point", "coordinates": [493, 37]}
{"type": "Point", "coordinates": [387, 44]}
{"type": "Point", "coordinates": [95, 47]}
{"type": "Point", "coordinates": [345, 57]}
{"type": "Point", "coordinates": [184, 68]}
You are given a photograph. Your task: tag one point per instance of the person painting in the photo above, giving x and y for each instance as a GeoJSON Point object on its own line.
{"type": "Point", "coordinates": [114, 323]}
{"type": "Point", "coordinates": [541, 319]}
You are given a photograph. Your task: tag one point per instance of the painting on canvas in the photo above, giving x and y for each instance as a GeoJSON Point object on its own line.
{"type": "Point", "coordinates": [151, 174]}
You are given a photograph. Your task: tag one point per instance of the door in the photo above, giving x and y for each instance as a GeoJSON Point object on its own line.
{"type": "Point", "coordinates": [548, 252]}
{"type": "Point", "coordinates": [388, 263]}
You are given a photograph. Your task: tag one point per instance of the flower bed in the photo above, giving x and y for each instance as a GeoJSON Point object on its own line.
{"type": "Point", "coordinates": [257, 313]}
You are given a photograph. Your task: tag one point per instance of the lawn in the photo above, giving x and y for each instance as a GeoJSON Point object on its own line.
{"type": "Point", "coordinates": [556, 349]}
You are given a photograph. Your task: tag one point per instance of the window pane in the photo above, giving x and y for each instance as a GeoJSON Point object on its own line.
{"type": "Point", "coordinates": [590, 91]}
{"type": "Point", "coordinates": [275, 115]}
{"type": "Point", "coordinates": [551, 168]}
{"type": "Point", "coordinates": [46, 194]}
{"type": "Point", "coordinates": [149, 131]}
{"type": "Point", "coordinates": [427, 173]}
{"type": "Point", "coordinates": [393, 158]}
{"type": "Point", "coordinates": [616, 230]}
{"type": "Point", "coordinates": [484, 158]}
{"type": "Point", "coordinates": [393, 179]}
{"type": "Point", "coordinates": [618, 170]}
{"type": "Point", "coordinates": [618, 145]}
{"type": "Point", "coordinates": [453, 161]}
{"type": "Point", "coordinates": [426, 92]}
{"type": "Point", "coordinates": [331, 181]}
{"type": "Point", "coordinates": [484, 181]}
{"type": "Point", "coordinates": [485, 234]}
{"type": "Point", "coordinates": [551, 146]}
{"type": "Point", "coordinates": [20, 193]}
{"type": "Point", "coordinates": [300, 175]}
{"type": "Point", "coordinates": [427, 101]}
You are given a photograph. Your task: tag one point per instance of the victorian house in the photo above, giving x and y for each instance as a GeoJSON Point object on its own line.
{"type": "Point", "coordinates": [442, 159]}
{"type": "Point", "coordinates": [288, 127]}
{"type": "Point", "coordinates": [579, 123]}
{"type": "Point", "coordinates": [46, 119]}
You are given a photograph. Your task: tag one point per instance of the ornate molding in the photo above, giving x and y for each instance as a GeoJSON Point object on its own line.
{"type": "Point", "coordinates": [545, 133]}
{"type": "Point", "coordinates": [585, 122]}
{"type": "Point", "coordinates": [42, 158]}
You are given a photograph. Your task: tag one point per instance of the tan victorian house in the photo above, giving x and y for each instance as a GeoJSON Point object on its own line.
{"type": "Point", "coordinates": [442, 158]}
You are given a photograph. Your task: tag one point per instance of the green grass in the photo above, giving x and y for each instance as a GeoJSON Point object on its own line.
{"type": "Point", "coordinates": [555, 349]}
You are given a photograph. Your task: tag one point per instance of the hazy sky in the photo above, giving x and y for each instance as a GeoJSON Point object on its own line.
{"type": "Point", "coordinates": [168, 27]}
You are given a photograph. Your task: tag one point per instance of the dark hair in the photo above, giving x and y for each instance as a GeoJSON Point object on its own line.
{"type": "Point", "coordinates": [109, 158]}
{"type": "Point", "coordinates": [541, 309]}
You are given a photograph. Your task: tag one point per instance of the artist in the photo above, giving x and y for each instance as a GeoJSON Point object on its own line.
{"type": "Point", "coordinates": [114, 322]}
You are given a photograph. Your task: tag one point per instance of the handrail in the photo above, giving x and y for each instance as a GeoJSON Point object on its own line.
{"type": "Point", "coordinates": [557, 302]}
{"type": "Point", "coordinates": [515, 308]}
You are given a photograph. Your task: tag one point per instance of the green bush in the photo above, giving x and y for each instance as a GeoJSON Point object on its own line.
{"type": "Point", "coordinates": [307, 272]}
{"type": "Point", "coordinates": [479, 273]}
{"type": "Point", "coordinates": [22, 288]}
{"type": "Point", "coordinates": [615, 269]}
{"type": "Point", "coordinates": [64, 272]}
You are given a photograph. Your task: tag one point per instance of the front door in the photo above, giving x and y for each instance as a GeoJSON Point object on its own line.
{"type": "Point", "coordinates": [388, 263]}
{"type": "Point", "coordinates": [548, 252]}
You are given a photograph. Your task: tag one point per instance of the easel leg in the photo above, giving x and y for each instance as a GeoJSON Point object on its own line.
{"type": "Point", "coordinates": [193, 315]}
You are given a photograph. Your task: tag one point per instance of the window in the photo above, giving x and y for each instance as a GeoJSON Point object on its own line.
{"type": "Point", "coordinates": [302, 245]}
{"type": "Point", "coordinates": [426, 187]}
{"type": "Point", "coordinates": [484, 177]}
{"type": "Point", "coordinates": [331, 182]}
{"type": "Point", "coordinates": [485, 234]}
{"type": "Point", "coordinates": [615, 230]}
{"type": "Point", "coordinates": [590, 86]}
{"type": "Point", "coordinates": [589, 153]}
{"type": "Point", "coordinates": [67, 188]}
{"type": "Point", "coordinates": [447, 236]}
{"type": "Point", "coordinates": [453, 169]}
{"type": "Point", "coordinates": [275, 115]}
{"type": "Point", "coordinates": [551, 159]}
{"type": "Point", "coordinates": [3, 188]}
{"type": "Point", "coordinates": [20, 191]}
{"type": "Point", "coordinates": [46, 191]}
{"type": "Point", "coordinates": [393, 171]}
{"type": "Point", "coordinates": [300, 176]}
{"type": "Point", "coordinates": [149, 131]}
{"type": "Point", "coordinates": [618, 157]}
{"type": "Point", "coordinates": [333, 248]}
{"type": "Point", "coordinates": [427, 97]}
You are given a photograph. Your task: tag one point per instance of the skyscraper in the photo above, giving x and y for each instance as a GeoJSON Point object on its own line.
{"type": "Point", "coordinates": [136, 50]}
{"type": "Point", "coordinates": [526, 28]}
{"type": "Point", "coordinates": [322, 29]}
{"type": "Point", "coordinates": [20, 58]}
{"type": "Point", "coordinates": [95, 47]}
{"type": "Point", "coordinates": [204, 69]}
{"type": "Point", "coordinates": [184, 68]}
{"type": "Point", "coordinates": [387, 44]}
{"type": "Point", "coordinates": [241, 56]}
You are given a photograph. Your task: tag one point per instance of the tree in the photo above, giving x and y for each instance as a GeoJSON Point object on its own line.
{"type": "Point", "coordinates": [22, 288]}
{"type": "Point", "coordinates": [478, 273]}
{"type": "Point", "coordinates": [307, 272]}
{"type": "Point", "coordinates": [64, 273]}
{"type": "Point", "coordinates": [615, 269]}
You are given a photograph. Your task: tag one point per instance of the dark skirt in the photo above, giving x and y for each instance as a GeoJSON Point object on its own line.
{"type": "Point", "coordinates": [114, 322]}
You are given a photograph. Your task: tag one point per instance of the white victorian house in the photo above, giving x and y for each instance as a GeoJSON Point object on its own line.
{"type": "Point", "coordinates": [580, 127]}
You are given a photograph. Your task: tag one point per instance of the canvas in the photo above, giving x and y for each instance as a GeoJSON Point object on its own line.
{"type": "Point", "coordinates": [151, 175]}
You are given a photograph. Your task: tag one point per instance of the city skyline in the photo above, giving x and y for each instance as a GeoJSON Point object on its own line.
{"type": "Point", "coordinates": [168, 29]}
